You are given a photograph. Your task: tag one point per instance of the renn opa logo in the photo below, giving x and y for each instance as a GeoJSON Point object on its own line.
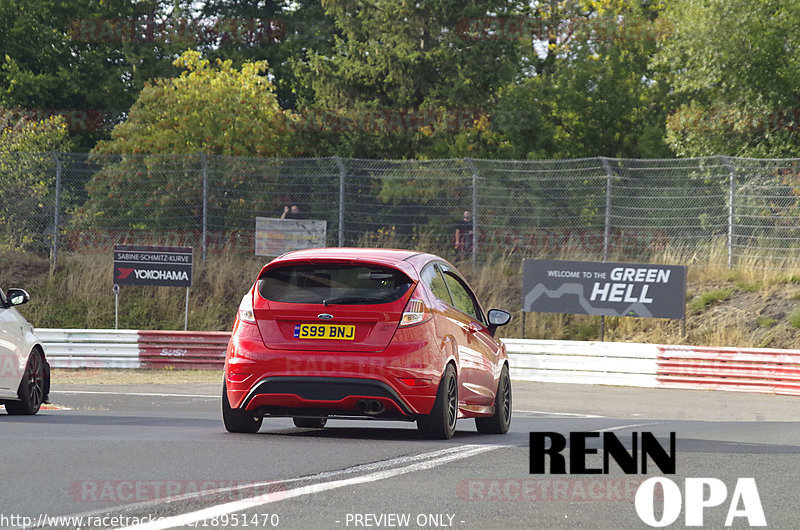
{"type": "Point", "coordinates": [699, 493]}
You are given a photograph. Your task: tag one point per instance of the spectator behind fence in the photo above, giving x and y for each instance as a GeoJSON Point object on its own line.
{"type": "Point", "coordinates": [292, 212]}
{"type": "Point", "coordinates": [463, 233]}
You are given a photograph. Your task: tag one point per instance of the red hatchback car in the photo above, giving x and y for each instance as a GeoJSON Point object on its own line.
{"type": "Point", "coordinates": [365, 333]}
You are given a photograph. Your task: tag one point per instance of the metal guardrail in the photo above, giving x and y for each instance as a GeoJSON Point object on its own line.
{"type": "Point", "coordinates": [550, 361]}
{"type": "Point", "coordinates": [598, 363]}
{"type": "Point", "coordinates": [183, 349]}
{"type": "Point", "coordinates": [90, 348]}
{"type": "Point", "coordinates": [742, 369]}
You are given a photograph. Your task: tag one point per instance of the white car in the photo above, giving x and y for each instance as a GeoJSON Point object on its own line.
{"type": "Point", "coordinates": [24, 371]}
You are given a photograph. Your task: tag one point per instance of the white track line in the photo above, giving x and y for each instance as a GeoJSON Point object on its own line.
{"type": "Point", "coordinates": [623, 427]}
{"type": "Point", "coordinates": [426, 461]}
{"type": "Point", "coordinates": [548, 413]}
{"type": "Point", "coordinates": [206, 493]}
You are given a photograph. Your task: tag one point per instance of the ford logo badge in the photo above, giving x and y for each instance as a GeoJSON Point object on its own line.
{"type": "Point", "coordinates": [325, 316]}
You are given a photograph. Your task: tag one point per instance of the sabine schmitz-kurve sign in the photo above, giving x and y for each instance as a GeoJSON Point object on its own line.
{"type": "Point", "coordinates": [149, 265]}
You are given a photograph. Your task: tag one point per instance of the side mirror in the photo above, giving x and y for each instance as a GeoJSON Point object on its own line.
{"type": "Point", "coordinates": [17, 297]}
{"type": "Point", "coordinates": [497, 318]}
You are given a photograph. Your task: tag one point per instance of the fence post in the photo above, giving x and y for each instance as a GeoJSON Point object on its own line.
{"type": "Point", "coordinates": [56, 210]}
{"type": "Point", "coordinates": [607, 228]}
{"type": "Point", "coordinates": [471, 164]}
{"type": "Point", "coordinates": [204, 165]}
{"type": "Point", "coordinates": [342, 175]}
{"type": "Point", "coordinates": [726, 160]}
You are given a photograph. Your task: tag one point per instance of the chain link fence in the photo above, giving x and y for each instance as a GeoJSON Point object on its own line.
{"type": "Point", "coordinates": [702, 209]}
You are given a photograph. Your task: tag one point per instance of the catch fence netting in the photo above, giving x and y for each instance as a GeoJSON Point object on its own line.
{"type": "Point", "coordinates": [703, 209]}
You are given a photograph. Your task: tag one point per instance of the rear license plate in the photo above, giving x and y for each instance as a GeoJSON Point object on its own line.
{"type": "Point", "coordinates": [324, 331]}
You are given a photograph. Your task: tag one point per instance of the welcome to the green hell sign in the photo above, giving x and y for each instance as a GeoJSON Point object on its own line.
{"type": "Point", "coordinates": [604, 288]}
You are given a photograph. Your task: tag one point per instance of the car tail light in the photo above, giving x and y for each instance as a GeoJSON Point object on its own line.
{"type": "Point", "coordinates": [414, 381]}
{"type": "Point", "coordinates": [416, 312]}
{"type": "Point", "coordinates": [245, 312]}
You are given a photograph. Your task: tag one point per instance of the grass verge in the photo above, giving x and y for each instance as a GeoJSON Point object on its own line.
{"type": "Point", "coordinates": [77, 294]}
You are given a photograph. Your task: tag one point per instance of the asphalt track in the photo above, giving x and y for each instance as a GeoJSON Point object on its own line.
{"type": "Point", "coordinates": [116, 456]}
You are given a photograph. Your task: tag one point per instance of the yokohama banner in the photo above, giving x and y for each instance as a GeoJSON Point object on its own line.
{"type": "Point", "coordinates": [146, 265]}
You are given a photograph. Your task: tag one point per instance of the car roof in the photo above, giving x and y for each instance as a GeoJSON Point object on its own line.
{"type": "Point", "coordinates": [397, 258]}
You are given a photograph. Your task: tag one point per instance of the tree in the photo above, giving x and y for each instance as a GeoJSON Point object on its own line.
{"type": "Point", "coordinates": [27, 176]}
{"type": "Point", "coordinates": [735, 70]}
{"type": "Point", "coordinates": [82, 59]}
{"type": "Point", "coordinates": [89, 60]}
{"type": "Point", "coordinates": [397, 59]}
{"type": "Point", "coordinates": [590, 90]}
{"type": "Point", "coordinates": [215, 110]}
{"type": "Point", "coordinates": [281, 32]}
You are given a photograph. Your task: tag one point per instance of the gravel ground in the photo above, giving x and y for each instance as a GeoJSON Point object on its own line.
{"type": "Point", "coordinates": [95, 376]}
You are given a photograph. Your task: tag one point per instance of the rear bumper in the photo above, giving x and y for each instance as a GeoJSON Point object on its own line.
{"type": "Point", "coordinates": [325, 396]}
{"type": "Point", "coordinates": [315, 383]}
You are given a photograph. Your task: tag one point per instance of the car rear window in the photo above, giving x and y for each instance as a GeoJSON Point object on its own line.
{"type": "Point", "coordinates": [333, 284]}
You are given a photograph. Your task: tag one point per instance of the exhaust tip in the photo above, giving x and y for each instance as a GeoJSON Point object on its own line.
{"type": "Point", "coordinates": [370, 406]}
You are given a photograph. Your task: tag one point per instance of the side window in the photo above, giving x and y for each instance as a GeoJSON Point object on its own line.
{"type": "Point", "coordinates": [432, 277]}
{"type": "Point", "coordinates": [462, 298]}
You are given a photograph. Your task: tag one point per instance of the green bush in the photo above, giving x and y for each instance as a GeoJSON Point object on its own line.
{"type": "Point", "coordinates": [702, 301]}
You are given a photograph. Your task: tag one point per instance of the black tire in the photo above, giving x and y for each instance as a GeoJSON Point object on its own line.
{"type": "Point", "coordinates": [32, 388]}
{"type": "Point", "coordinates": [501, 420]}
{"type": "Point", "coordinates": [239, 420]}
{"type": "Point", "coordinates": [440, 424]}
{"type": "Point", "coordinates": [310, 423]}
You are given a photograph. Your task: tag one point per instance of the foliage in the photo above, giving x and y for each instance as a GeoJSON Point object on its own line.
{"type": "Point", "coordinates": [703, 300]}
{"type": "Point", "coordinates": [281, 32]}
{"type": "Point", "coordinates": [89, 60]}
{"type": "Point", "coordinates": [478, 140]}
{"type": "Point", "coordinates": [591, 91]}
{"type": "Point", "coordinates": [27, 180]}
{"type": "Point", "coordinates": [541, 79]}
{"type": "Point", "coordinates": [734, 68]}
{"type": "Point", "coordinates": [406, 57]}
{"type": "Point", "coordinates": [31, 136]}
{"type": "Point", "coordinates": [79, 59]}
{"type": "Point", "coordinates": [794, 318]}
{"type": "Point", "coordinates": [764, 321]}
{"type": "Point", "coordinates": [217, 110]}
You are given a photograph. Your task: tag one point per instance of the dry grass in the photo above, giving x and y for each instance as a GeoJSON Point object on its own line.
{"type": "Point", "coordinates": [78, 294]}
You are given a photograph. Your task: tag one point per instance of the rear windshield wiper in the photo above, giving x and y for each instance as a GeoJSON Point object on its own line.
{"type": "Point", "coordinates": [353, 300]}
